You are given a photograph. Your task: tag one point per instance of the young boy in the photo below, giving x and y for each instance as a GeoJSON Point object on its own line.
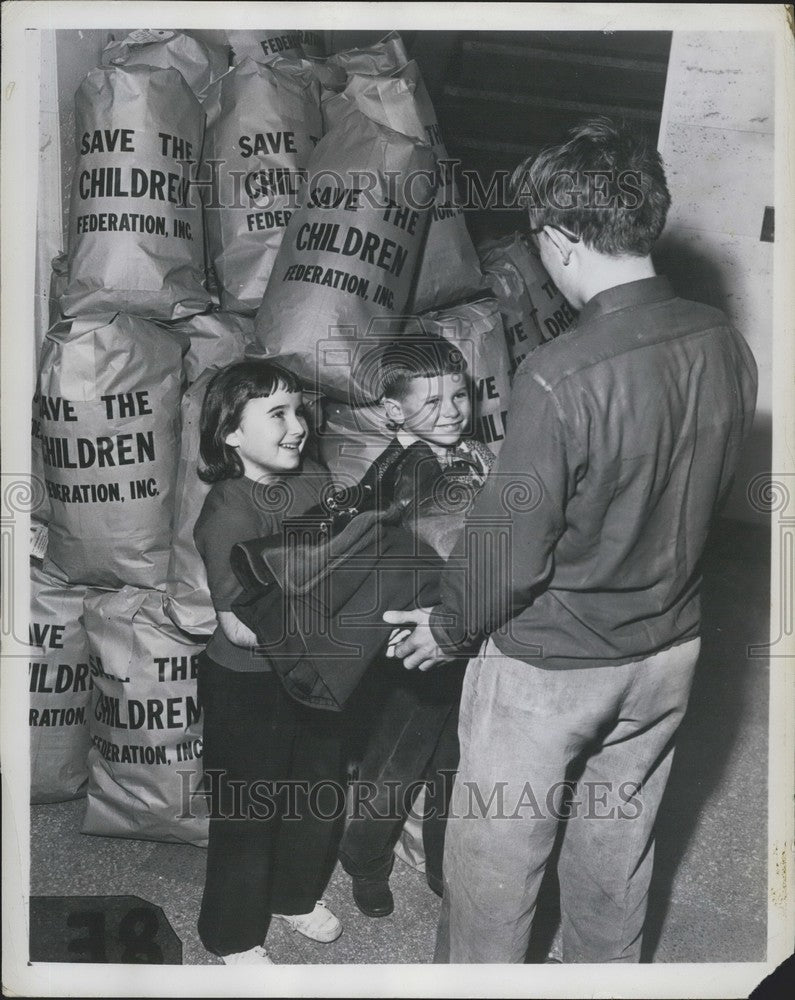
{"type": "Point", "coordinates": [412, 716]}
{"type": "Point", "coordinates": [427, 399]}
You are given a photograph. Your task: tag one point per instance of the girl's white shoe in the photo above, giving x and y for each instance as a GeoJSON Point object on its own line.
{"type": "Point", "coordinates": [254, 956]}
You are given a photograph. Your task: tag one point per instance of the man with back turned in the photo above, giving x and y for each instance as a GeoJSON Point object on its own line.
{"type": "Point", "coordinates": [624, 435]}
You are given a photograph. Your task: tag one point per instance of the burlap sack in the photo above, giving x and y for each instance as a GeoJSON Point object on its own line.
{"type": "Point", "coordinates": [449, 268]}
{"type": "Point", "coordinates": [351, 439]}
{"type": "Point", "coordinates": [60, 690]}
{"type": "Point", "coordinates": [135, 224]}
{"type": "Point", "coordinates": [59, 279]}
{"type": "Point", "coordinates": [145, 759]}
{"type": "Point", "coordinates": [331, 77]}
{"type": "Point", "coordinates": [349, 254]}
{"type": "Point", "coordinates": [554, 314]}
{"type": "Point", "coordinates": [266, 124]}
{"type": "Point", "coordinates": [335, 108]}
{"type": "Point", "coordinates": [216, 338]}
{"type": "Point", "coordinates": [519, 315]}
{"type": "Point", "coordinates": [41, 512]}
{"type": "Point", "coordinates": [188, 602]}
{"type": "Point", "coordinates": [108, 397]}
{"type": "Point", "coordinates": [382, 58]}
{"type": "Point", "coordinates": [313, 43]}
{"type": "Point", "coordinates": [265, 45]}
{"type": "Point", "coordinates": [476, 328]}
{"type": "Point", "coordinates": [198, 62]}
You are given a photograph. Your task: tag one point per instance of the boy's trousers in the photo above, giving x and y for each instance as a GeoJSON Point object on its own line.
{"type": "Point", "coordinates": [522, 729]}
{"type": "Point", "coordinates": [406, 717]}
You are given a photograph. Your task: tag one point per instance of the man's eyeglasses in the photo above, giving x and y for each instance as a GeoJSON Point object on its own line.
{"type": "Point", "coordinates": [572, 237]}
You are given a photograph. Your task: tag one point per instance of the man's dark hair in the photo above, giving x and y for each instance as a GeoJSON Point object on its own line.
{"type": "Point", "coordinates": [412, 358]}
{"type": "Point", "coordinates": [605, 183]}
{"type": "Point", "coordinates": [227, 394]}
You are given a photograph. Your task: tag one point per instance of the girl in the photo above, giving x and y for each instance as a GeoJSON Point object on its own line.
{"type": "Point", "coordinates": [253, 430]}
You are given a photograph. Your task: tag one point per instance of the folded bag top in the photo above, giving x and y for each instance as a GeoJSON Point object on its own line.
{"type": "Point", "coordinates": [315, 592]}
{"type": "Point", "coordinates": [306, 550]}
{"type": "Point", "coordinates": [322, 637]}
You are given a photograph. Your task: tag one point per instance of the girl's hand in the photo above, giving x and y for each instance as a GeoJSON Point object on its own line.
{"type": "Point", "coordinates": [235, 631]}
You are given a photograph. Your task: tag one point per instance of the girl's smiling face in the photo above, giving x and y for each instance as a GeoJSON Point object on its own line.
{"type": "Point", "coordinates": [271, 435]}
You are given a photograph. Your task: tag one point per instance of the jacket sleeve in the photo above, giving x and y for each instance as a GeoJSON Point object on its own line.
{"type": "Point", "coordinates": [744, 389]}
{"type": "Point", "coordinates": [506, 552]}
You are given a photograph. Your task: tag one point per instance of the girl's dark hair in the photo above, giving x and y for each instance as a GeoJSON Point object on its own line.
{"type": "Point", "coordinates": [605, 183]}
{"type": "Point", "coordinates": [227, 394]}
{"type": "Point", "coordinates": [412, 358]}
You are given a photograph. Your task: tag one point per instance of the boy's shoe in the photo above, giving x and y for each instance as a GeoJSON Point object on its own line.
{"type": "Point", "coordinates": [372, 895]}
{"type": "Point", "coordinates": [319, 925]}
{"type": "Point", "coordinates": [254, 956]}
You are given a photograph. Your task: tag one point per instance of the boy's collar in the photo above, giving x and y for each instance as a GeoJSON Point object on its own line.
{"type": "Point", "coordinates": [406, 438]}
{"type": "Point", "coordinates": [459, 452]}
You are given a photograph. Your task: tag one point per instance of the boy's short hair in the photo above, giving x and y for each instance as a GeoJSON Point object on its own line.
{"type": "Point", "coordinates": [227, 394]}
{"type": "Point", "coordinates": [605, 183]}
{"type": "Point", "coordinates": [415, 357]}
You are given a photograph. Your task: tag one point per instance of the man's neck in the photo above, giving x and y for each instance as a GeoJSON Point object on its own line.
{"type": "Point", "coordinates": [606, 272]}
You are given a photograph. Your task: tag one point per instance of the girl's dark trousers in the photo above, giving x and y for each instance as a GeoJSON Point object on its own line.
{"type": "Point", "coordinates": [273, 771]}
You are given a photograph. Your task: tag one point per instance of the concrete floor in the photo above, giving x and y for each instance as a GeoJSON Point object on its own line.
{"type": "Point", "coordinates": [709, 889]}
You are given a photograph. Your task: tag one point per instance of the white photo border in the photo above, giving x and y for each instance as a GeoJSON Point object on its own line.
{"type": "Point", "coordinates": [19, 95]}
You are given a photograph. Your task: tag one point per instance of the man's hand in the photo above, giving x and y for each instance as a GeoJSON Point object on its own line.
{"type": "Point", "coordinates": [416, 647]}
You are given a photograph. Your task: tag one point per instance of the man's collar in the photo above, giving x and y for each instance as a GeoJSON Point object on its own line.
{"type": "Point", "coordinates": [632, 293]}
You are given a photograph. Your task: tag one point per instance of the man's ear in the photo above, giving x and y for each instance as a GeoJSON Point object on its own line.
{"type": "Point", "coordinates": [559, 241]}
{"type": "Point", "coordinates": [394, 410]}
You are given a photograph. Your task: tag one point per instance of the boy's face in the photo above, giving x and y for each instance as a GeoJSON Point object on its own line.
{"type": "Point", "coordinates": [436, 409]}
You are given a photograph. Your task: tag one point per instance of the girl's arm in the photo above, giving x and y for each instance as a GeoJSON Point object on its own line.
{"type": "Point", "coordinates": [235, 631]}
{"type": "Point", "coordinates": [220, 525]}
